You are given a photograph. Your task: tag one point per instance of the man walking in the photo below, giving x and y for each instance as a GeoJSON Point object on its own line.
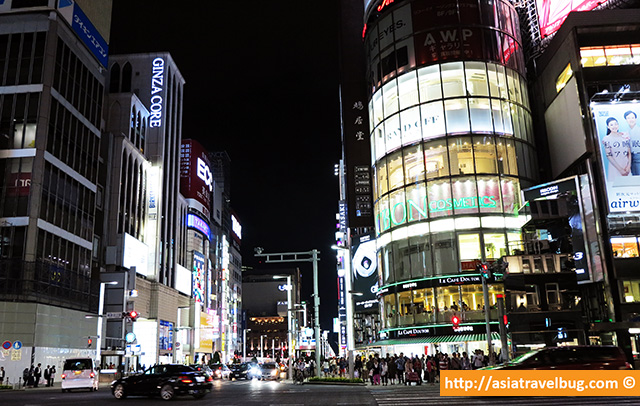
{"type": "Point", "coordinates": [37, 373]}
{"type": "Point", "coordinates": [2, 374]}
{"type": "Point", "coordinates": [52, 374]}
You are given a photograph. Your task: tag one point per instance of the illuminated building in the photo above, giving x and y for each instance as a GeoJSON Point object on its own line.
{"type": "Point", "coordinates": [586, 84]}
{"type": "Point", "coordinates": [451, 147]}
{"type": "Point", "coordinates": [52, 90]}
{"type": "Point", "coordinates": [146, 224]}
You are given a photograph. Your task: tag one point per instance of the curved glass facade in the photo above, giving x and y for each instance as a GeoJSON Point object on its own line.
{"type": "Point", "coordinates": [451, 143]}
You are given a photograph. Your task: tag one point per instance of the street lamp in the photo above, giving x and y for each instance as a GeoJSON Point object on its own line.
{"type": "Point", "coordinates": [262, 348]}
{"type": "Point", "coordinates": [244, 343]}
{"type": "Point", "coordinates": [289, 321]}
{"type": "Point", "coordinates": [99, 328]}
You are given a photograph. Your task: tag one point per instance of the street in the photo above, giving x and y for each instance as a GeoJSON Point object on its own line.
{"type": "Point", "coordinates": [285, 393]}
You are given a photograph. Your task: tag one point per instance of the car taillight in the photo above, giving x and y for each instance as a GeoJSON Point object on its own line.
{"type": "Point", "coordinates": [209, 379]}
{"type": "Point", "coordinates": [64, 376]}
{"type": "Point", "coordinates": [626, 364]}
{"type": "Point", "coordinates": [185, 379]}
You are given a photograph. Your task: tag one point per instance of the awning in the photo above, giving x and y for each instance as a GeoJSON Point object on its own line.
{"type": "Point", "coordinates": [457, 338]}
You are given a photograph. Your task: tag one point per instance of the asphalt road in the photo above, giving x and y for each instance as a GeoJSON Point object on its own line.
{"type": "Point", "coordinates": [247, 393]}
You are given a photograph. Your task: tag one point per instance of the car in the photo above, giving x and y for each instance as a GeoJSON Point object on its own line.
{"type": "Point", "coordinates": [166, 380]}
{"type": "Point", "coordinates": [239, 371]}
{"type": "Point", "coordinates": [270, 370]}
{"type": "Point", "coordinates": [254, 371]}
{"type": "Point", "coordinates": [203, 368]}
{"type": "Point", "coordinates": [220, 371]}
{"type": "Point", "coordinates": [78, 373]}
{"type": "Point", "coordinates": [570, 357]}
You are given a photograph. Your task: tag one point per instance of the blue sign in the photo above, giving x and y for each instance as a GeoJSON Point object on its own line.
{"type": "Point", "coordinates": [199, 224]}
{"type": "Point", "coordinates": [6, 345]}
{"type": "Point", "coordinates": [130, 337]}
{"type": "Point", "coordinates": [89, 35]}
{"type": "Point", "coordinates": [17, 345]}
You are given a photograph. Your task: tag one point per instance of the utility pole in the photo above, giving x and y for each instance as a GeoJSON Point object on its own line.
{"type": "Point", "coordinates": [309, 256]}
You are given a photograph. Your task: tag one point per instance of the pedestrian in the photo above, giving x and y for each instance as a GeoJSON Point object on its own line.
{"type": "Point", "coordinates": [325, 367]}
{"type": "Point", "coordinates": [376, 371]}
{"type": "Point", "coordinates": [2, 374]}
{"type": "Point", "coordinates": [454, 362]}
{"type": "Point", "coordinates": [52, 374]}
{"type": "Point", "coordinates": [431, 370]}
{"type": "Point", "coordinates": [393, 370]}
{"type": "Point", "coordinates": [465, 363]}
{"type": "Point", "coordinates": [417, 367]}
{"type": "Point", "coordinates": [384, 372]}
{"type": "Point", "coordinates": [357, 366]}
{"type": "Point", "coordinates": [25, 377]}
{"type": "Point", "coordinates": [37, 373]}
{"type": "Point", "coordinates": [369, 366]}
{"type": "Point", "coordinates": [47, 373]}
{"type": "Point", "coordinates": [478, 360]}
{"type": "Point", "coordinates": [400, 368]}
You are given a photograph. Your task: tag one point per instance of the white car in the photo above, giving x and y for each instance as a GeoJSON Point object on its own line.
{"type": "Point", "coordinates": [78, 373]}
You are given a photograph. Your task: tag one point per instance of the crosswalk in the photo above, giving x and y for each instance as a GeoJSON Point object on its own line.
{"type": "Point", "coordinates": [430, 395]}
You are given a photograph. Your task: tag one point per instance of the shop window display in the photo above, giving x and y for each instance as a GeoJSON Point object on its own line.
{"type": "Point", "coordinates": [624, 247]}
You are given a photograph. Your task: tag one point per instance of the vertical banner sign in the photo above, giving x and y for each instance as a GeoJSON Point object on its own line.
{"type": "Point", "coordinates": [355, 119]}
{"type": "Point", "coordinates": [618, 134]}
{"type": "Point", "coordinates": [198, 277]}
{"type": "Point", "coordinates": [365, 273]}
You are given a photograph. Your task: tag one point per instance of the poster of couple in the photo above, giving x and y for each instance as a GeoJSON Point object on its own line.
{"type": "Point", "coordinates": [618, 131]}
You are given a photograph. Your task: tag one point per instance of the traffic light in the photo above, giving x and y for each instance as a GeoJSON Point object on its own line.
{"type": "Point", "coordinates": [131, 315]}
{"type": "Point", "coordinates": [89, 342]}
{"type": "Point", "coordinates": [455, 320]}
{"type": "Point", "coordinates": [484, 270]}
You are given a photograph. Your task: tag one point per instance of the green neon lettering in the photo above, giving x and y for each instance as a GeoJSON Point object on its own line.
{"type": "Point", "coordinates": [421, 210]}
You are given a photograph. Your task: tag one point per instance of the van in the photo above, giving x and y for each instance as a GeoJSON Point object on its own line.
{"type": "Point", "coordinates": [78, 373]}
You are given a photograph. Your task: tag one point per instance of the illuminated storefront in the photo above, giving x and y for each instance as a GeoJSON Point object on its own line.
{"type": "Point", "coordinates": [451, 147]}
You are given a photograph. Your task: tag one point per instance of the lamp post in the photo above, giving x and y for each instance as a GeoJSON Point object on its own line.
{"type": "Point", "coordinates": [99, 328]}
{"type": "Point", "coordinates": [262, 348]}
{"type": "Point", "coordinates": [290, 345]}
{"type": "Point", "coordinates": [244, 343]}
{"type": "Point", "coordinates": [348, 305]}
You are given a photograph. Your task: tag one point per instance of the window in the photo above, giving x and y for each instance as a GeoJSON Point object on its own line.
{"type": "Point", "coordinates": [457, 114]}
{"type": "Point", "coordinates": [465, 196]}
{"type": "Point", "coordinates": [453, 82]}
{"type": "Point", "coordinates": [410, 125]}
{"type": "Point", "coordinates": [439, 198]}
{"type": "Point", "coordinates": [395, 168]}
{"type": "Point", "coordinates": [480, 113]}
{"type": "Point", "coordinates": [429, 83]}
{"type": "Point", "coordinates": [494, 246]}
{"type": "Point", "coordinates": [407, 86]}
{"type": "Point", "coordinates": [436, 159]}
{"type": "Point", "coordinates": [485, 155]}
{"type": "Point", "coordinates": [563, 78]}
{"type": "Point", "coordinates": [413, 164]}
{"type": "Point", "coordinates": [469, 247]}
{"type": "Point", "coordinates": [553, 295]}
{"type": "Point", "coordinates": [477, 83]}
{"type": "Point", "coordinates": [624, 247]}
{"type": "Point", "coordinates": [390, 97]}
{"type": "Point", "coordinates": [592, 56]}
{"type": "Point", "coordinates": [631, 291]}
{"type": "Point", "coordinates": [390, 310]}
{"type": "Point", "coordinates": [433, 120]}
{"type": "Point", "coordinates": [461, 156]}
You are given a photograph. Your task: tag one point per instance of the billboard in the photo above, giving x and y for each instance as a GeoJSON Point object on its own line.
{"type": "Point", "coordinates": [198, 277]}
{"type": "Point", "coordinates": [365, 273]}
{"type": "Point", "coordinates": [196, 179]}
{"type": "Point", "coordinates": [619, 141]}
{"type": "Point", "coordinates": [552, 13]}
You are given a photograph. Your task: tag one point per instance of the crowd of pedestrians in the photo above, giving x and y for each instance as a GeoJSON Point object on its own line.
{"type": "Point", "coordinates": [403, 369]}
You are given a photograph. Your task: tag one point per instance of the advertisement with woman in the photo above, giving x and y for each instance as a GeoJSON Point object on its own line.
{"type": "Point", "coordinates": [619, 142]}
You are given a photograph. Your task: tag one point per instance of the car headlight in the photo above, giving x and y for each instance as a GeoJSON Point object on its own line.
{"type": "Point", "coordinates": [254, 371]}
{"type": "Point", "coordinates": [274, 372]}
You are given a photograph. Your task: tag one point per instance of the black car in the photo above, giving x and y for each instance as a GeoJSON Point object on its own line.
{"type": "Point", "coordinates": [167, 380]}
{"type": "Point", "coordinates": [239, 371]}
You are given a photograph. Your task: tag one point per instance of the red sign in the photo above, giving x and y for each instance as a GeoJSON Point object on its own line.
{"type": "Point", "coordinates": [552, 13]}
{"type": "Point", "coordinates": [196, 179]}
{"type": "Point", "coordinates": [6, 345]}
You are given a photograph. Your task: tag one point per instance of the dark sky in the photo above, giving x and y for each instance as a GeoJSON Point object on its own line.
{"type": "Point", "coordinates": [262, 84]}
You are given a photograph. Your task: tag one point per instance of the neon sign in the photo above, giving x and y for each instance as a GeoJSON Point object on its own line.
{"type": "Point", "coordinates": [204, 173]}
{"type": "Point", "coordinates": [199, 224]}
{"type": "Point", "coordinates": [384, 4]}
{"type": "Point", "coordinates": [157, 83]}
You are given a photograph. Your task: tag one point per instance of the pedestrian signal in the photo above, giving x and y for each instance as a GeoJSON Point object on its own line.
{"type": "Point", "coordinates": [455, 320]}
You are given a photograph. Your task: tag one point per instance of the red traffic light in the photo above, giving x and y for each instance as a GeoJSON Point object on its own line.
{"type": "Point", "coordinates": [133, 314]}
{"type": "Point", "coordinates": [89, 342]}
{"type": "Point", "coordinates": [455, 320]}
{"type": "Point", "coordinates": [505, 320]}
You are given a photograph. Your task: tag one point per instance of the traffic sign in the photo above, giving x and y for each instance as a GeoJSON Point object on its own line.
{"type": "Point", "coordinates": [6, 345]}
{"type": "Point", "coordinates": [114, 315]}
{"type": "Point", "coordinates": [17, 345]}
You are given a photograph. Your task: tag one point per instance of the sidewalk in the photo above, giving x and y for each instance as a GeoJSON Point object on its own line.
{"type": "Point", "coordinates": [57, 386]}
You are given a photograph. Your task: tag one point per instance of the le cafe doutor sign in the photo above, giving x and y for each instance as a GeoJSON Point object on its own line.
{"type": "Point", "coordinates": [437, 331]}
{"type": "Point", "coordinates": [431, 283]}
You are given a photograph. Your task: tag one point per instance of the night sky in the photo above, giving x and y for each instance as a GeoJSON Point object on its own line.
{"type": "Point", "coordinates": [262, 84]}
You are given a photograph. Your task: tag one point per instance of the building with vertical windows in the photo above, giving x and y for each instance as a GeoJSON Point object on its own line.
{"type": "Point", "coordinates": [451, 147]}
{"type": "Point", "coordinates": [147, 220]}
{"type": "Point", "coordinates": [585, 96]}
{"type": "Point", "coordinates": [51, 100]}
